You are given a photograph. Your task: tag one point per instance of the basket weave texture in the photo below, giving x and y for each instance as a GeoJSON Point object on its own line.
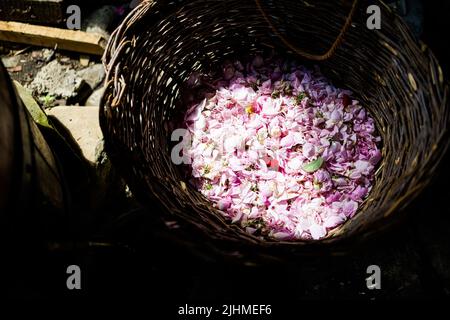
{"type": "Point", "coordinates": [161, 43]}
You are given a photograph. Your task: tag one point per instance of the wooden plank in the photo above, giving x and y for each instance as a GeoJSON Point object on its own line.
{"type": "Point", "coordinates": [72, 40]}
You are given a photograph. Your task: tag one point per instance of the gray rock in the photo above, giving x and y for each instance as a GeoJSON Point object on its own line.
{"type": "Point", "coordinates": [84, 60]}
{"type": "Point", "coordinates": [99, 21]}
{"type": "Point", "coordinates": [48, 54]}
{"type": "Point", "coordinates": [94, 98]}
{"type": "Point", "coordinates": [11, 62]}
{"type": "Point", "coordinates": [93, 75]}
{"type": "Point", "coordinates": [56, 80]}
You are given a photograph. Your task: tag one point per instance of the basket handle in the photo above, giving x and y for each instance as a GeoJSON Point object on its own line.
{"type": "Point", "coordinates": [304, 54]}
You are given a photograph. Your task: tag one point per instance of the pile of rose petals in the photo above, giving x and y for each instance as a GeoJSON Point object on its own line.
{"type": "Point", "coordinates": [280, 151]}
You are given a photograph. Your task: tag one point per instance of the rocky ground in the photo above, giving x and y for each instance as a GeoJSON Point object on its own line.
{"type": "Point", "coordinates": [56, 78]}
{"type": "Point", "coordinates": [61, 78]}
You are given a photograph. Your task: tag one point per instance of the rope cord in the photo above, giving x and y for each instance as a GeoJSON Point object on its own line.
{"type": "Point", "coordinates": [304, 54]}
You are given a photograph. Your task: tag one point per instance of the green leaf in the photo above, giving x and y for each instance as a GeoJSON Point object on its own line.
{"type": "Point", "coordinates": [313, 165]}
{"type": "Point", "coordinates": [300, 97]}
{"type": "Point", "coordinates": [208, 186]}
{"type": "Point", "coordinates": [275, 94]}
{"type": "Point", "coordinates": [32, 106]}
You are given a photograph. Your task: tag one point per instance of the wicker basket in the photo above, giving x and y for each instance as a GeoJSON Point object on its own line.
{"type": "Point", "coordinates": [157, 47]}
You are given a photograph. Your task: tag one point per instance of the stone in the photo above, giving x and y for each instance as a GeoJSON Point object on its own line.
{"type": "Point", "coordinates": [11, 62]}
{"type": "Point", "coordinates": [92, 75]}
{"type": "Point", "coordinates": [83, 124]}
{"type": "Point", "coordinates": [47, 55]}
{"type": "Point", "coordinates": [15, 69]}
{"type": "Point", "coordinates": [100, 20]}
{"type": "Point", "coordinates": [94, 98]}
{"type": "Point", "coordinates": [56, 80]}
{"type": "Point", "coordinates": [36, 54]}
{"type": "Point", "coordinates": [84, 60]}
